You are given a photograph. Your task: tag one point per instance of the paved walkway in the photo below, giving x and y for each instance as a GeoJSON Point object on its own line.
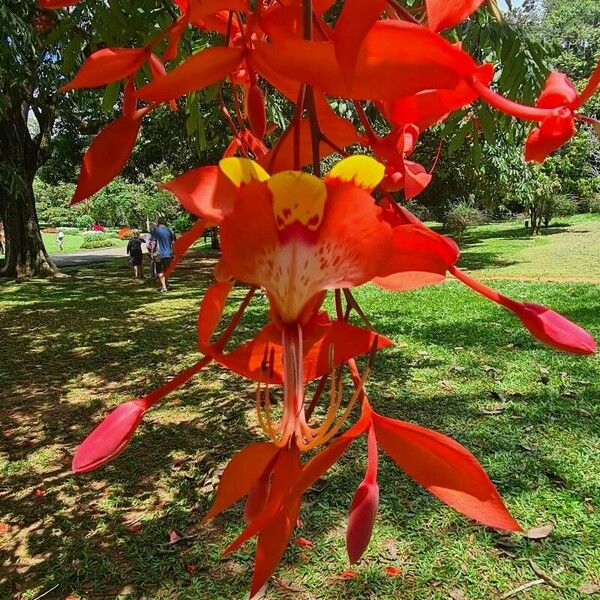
{"type": "Point", "coordinates": [85, 257]}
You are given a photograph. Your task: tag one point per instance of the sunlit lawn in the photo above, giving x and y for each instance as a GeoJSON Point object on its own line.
{"type": "Point", "coordinates": [72, 242]}
{"type": "Point", "coordinates": [75, 347]}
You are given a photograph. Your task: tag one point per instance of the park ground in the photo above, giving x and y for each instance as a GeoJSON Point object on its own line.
{"type": "Point", "coordinates": [74, 347]}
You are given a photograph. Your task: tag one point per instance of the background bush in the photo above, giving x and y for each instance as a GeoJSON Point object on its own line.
{"type": "Point", "coordinates": [462, 215]}
{"type": "Point", "coordinates": [85, 222]}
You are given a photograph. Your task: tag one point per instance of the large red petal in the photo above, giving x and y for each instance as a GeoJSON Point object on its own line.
{"type": "Point", "coordinates": [419, 257]}
{"type": "Point", "coordinates": [210, 313]}
{"type": "Point", "coordinates": [261, 359]}
{"type": "Point", "coordinates": [427, 61]}
{"type": "Point", "coordinates": [55, 4]}
{"type": "Point", "coordinates": [443, 14]}
{"type": "Point", "coordinates": [590, 89]}
{"type": "Point", "coordinates": [200, 9]}
{"type": "Point", "coordinates": [275, 536]}
{"type": "Point", "coordinates": [355, 20]}
{"type": "Point", "coordinates": [558, 91]}
{"type": "Point", "coordinates": [107, 65]}
{"type": "Point", "coordinates": [241, 473]}
{"type": "Point", "coordinates": [446, 469]}
{"type": "Point", "coordinates": [200, 70]}
{"type": "Point", "coordinates": [205, 192]}
{"type": "Point", "coordinates": [107, 155]}
{"type": "Point", "coordinates": [552, 133]}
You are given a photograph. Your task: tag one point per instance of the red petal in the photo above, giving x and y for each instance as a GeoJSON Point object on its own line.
{"type": "Point", "coordinates": [256, 111]}
{"type": "Point", "coordinates": [257, 497]}
{"type": "Point", "coordinates": [107, 65]}
{"type": "Point", "coordinates": [419, 257]}
{"type": "Point", "coordinates": [174, 35]}
{"type": "Point", "coordinates": [185, 240]}
{"type": "Point", "coordinates": [590, 89]}
{"type": "Point", "coordinates": [416, 179]}
{"type": "Point", "coordinates": [443, 14]}
{"type": "Point", "coordinates": [449, 471]}
{"type": "Point", "coordinates": [211, 310]}
{"type": "Point", "coordinates": [545, 325]}
{"type": "Point", "coordinates": [431, 106]}
{"type": "Point", "coordinates": [355, 20]}
{"type": "Point", "coordinates": [107, 155]}
{"type": "Point", "coordinates": [364, 506]}
{"type": "Point", "coordinates": [275, 536]}
{"type": "Point", "coordinates": [202, 9]}
{"type": "Point", "coordinates": [346, 340]}
{"type": "Point", "coordinates": [200, 70]}
{"type": "Point", "coordinates": [205, 192]}
{"type": "Point", "coordinates": [54, 4]}
{"type": "Point", "coordinates": [558, 91]}
{"type": "Point", "coordinates": [110, 438]}
{"type": "Point", "coordinates": [427, 61]}
{"type": "Point", "coordinates": [552, 133]}
{"type": "Point", "coordinates": [242, 472]}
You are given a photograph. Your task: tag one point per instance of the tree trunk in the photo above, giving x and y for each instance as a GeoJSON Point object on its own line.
{"type": "Point", "coordinates": [25, 255]}
{"type": "Point", "coordinates": [20, 157]}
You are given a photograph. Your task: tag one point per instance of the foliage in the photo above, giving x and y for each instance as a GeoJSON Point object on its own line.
{"type": "Point", "coordinates": [594, 204]}
{"type": "Point", "coordinates": [462, 215]}
{"type": "Point", "coordinates": [97, 243]}
{"type": "Point", "coordinates": [85, 222]}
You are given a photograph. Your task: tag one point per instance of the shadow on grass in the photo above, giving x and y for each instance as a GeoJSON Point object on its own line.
{"type": "Point", "coordinates": [76, 346]}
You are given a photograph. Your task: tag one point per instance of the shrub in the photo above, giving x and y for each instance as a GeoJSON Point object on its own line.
{"type": "Point", "coordinates": [462, 215]}
{"type": "Point", "coordinates": [85, 222]}
{"type": "Point", "coordinates": [70, 230]}
{"type": "Point", "coordinates": [559, 205]}
{"type": "Point", "coordinates": [88, 236]}
{"type": "Point", "coordinates": [421, 212]}
{"type": "Point", "coordinates": [182, 223]}
{"type": "Point", "coordinates": [594, 204]}
{"type": "Point", "coordinates": [97, 242]}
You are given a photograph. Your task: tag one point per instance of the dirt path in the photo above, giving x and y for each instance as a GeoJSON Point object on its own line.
{"type": "Point", "coordinates": [84, 257]}
{"type": "Point", "coordinates": [537, 279]}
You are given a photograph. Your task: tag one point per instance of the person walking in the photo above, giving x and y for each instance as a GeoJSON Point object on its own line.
{"type": "Point", "coordinates": [136, 256]}
{"type": "Point", "coordinates": [164, 238]}
{"type": "Point", "coordinates": [2, 242]}
{"type": "Point", "coordinates": [60, 239]}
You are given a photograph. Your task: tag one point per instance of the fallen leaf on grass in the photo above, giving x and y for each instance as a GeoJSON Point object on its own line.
{"type": "Point", "coordinates": [7, 432]}
{"type": "Point", "coordinates": [174, 535]}
{"type": "Point", "coordinates": [393, 571]}
{"type": "Point", "coordinates": [589, 588]}
{"type": "Point", "coordinates": [191, 568]}
{"type": "Point", "coordinates": [133, 528]}
{"type": "Point", "coordinates": [497, 409]}
{"type": "Point", "coordinates": [39, 492]}
{"type": "Point", "coordinates": [285, 586]}
{"type": "Point", "coordinates": [4, 528]}
{"type": "Point", "coordinates": [457, 595]}
{"type": "Point", "coordinates": [539, 533]}
{"type": "Point", "coordinates": [303, 542]}
{"type": "Point", "coordinates": [348, 574]}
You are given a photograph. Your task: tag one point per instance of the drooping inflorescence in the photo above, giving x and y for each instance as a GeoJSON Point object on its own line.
{"type": "Point", "coordinates": [299, 235]}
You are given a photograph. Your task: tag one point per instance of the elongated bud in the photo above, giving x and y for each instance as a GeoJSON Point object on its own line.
{"type": "Point", "coordinates": [110, 438]}
{"type": "Point", "coordinates": [256, 111]}
{"type": "Point", "coordinates": [546, 325]}
{"type": "Point", "coordinates": [364, 506]}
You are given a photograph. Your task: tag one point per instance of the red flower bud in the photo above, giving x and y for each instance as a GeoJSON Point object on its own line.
{"type": "Point", "coordinates": [256, 111]}
{"type": "Point", "coordinates": [110, 438]}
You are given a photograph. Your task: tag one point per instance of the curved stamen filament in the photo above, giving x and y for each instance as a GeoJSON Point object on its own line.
{"type": "Point", "coordinates": [293, 422]}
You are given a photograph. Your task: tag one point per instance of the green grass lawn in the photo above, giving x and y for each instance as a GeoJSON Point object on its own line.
{"type": "Point", "coordinates": [72, 242]}
{"type": "Point", "coordinates": [567, 250]}
{"type": "Point", "coordinates": [74, 347]}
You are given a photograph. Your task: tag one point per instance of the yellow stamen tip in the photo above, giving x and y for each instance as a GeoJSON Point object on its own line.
{"type": "Point", "coordinates": [363, 171]}
{"type": "Point", "coordinates": [242, 170]}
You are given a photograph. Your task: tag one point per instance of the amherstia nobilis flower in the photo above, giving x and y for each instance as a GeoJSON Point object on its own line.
{"type": "Point", "coordinates": [298, 236]}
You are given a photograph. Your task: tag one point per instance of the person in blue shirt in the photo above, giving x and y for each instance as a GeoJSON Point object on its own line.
{"type": "Point", "coordinates": [163, 253]}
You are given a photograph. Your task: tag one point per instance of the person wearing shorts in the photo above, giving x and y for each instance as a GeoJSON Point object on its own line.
{"type": "Point", "coordinates": [164, 238]}
{"type": "Point", "coordinates": [136, 256]}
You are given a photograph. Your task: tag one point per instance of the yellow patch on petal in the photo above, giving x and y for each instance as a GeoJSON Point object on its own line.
{"type": "Point", "coordinates": [360, 170]}
{"type": "Point", "coordinates": [297, 196]}
{"type": "Point", "coordinates": [242, 170]}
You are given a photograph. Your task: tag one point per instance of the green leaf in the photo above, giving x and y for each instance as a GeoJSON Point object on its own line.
{"type": "Point", "coordinates": [110, 97]}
